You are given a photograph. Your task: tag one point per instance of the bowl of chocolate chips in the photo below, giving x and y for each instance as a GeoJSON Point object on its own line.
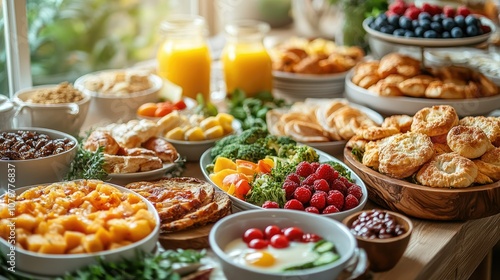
{"type": "Point", "coordinates": [383, 234]}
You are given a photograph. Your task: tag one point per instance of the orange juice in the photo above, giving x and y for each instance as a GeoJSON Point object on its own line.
{"type": "Point", "coordinates": [247, 67]}
{"type": "Point", "coordinates": [186, 66]}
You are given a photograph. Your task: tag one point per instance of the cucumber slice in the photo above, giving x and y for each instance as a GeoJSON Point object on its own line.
{"type": "Point", "coordinates": [324, 246]}
{"type": "Point", "coordinates": [326, 258]}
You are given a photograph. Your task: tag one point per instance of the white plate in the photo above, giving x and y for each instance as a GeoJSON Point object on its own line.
{"type": "Point", "coordinates": [309, 77]}
{"type": "Point", "coordinates": [125, 178]}
{"type": "Point", "coordinates": [438, 42]}
{"type": "Point", "coordinates": [239, 204]}
{"type": "Point", "coordinates": [410, 105]}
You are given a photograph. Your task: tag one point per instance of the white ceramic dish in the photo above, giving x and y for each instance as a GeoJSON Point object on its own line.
{"type": "Point", "coordinates": [125, 178]}
{"type": "Point", "coordinates": [410, 105]}
{"type": "Point", "coordinates": [40, 170]}
{"type": "Point", "coordinates": [425, 42]}
{"type": "Point", "coordinates": [240, 205]}
{"type": "Point", "coordinates": [58, 264]}
{"type": "Point", "coordinates": [233, 226]}
{"type": "Point", "coordinates": [309, 78]}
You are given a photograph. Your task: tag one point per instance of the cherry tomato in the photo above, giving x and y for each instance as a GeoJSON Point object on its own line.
{"type": "Point", "coordinates": [271, 231]}
{"type": "Point", "coordinates": [163, 111]}
{"type": "Point", "coordinates": [258, 243]}
{"type": "Point", "coordinates": [279, 241]}
{"type": "Point", "coordinates": [294, 233]}
{"type": "Point", "coordinates": [180, 105]}
{"type": "Point", "coordinates": [310, 237]}
{"type": "Point", "coordinates": [252, 233]}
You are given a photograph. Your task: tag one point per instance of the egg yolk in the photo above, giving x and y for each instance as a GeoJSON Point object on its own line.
{"type": "Point", "coordinates": [260, 258]}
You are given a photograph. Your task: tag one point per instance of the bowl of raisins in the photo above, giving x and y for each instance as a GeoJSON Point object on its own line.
{"type": "Point", "coordinates": [384, 235]}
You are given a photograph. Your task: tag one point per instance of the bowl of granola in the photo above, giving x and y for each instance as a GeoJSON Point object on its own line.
{"type": "Point", "coordinates": [117, 94]}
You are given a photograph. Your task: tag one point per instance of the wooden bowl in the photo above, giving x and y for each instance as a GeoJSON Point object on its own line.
{"type": "Point", "coordinates": [427, 202]}
{"type": "Point", "coordinates": [383, 254]}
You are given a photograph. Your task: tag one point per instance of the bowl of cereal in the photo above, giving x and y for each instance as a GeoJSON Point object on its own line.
{"type": "Point", "coordinates": [273, 244]}
{"type": "Point", "coordinates": [118, 93]}
{"type": "Point", "coordinates": [384, 235]}
{"type": "Point", "coordinates": [32, 155]}
{"type": "Point", "coordinates": [60, 107]}
{"type": "Point", "coordinates": [64, 226]}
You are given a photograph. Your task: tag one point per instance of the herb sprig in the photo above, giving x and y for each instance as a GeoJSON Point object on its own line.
{"type": "Point", "coordinates": [87, 164]}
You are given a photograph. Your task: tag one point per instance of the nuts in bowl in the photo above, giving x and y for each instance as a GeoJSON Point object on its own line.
{"type": "Point", "coordinates": [63, 226]}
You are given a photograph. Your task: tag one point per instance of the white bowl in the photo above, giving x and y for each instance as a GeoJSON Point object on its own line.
{"type": "Point", "coordinates": [43, 265]}
{"type": "Point", "coordinates": [65, 117]}
{"type": "Point", "coordinates": [233, 227]}
{"type": "Point", "coordinates": [240, 205]}
{"type": "Point", "coordinates": [41, 170]}
{"type": "Point", "coordinates": [109, 108]}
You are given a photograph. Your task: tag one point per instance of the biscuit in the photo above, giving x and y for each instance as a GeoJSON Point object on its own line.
{"type": "Point", "coordinates": [356, 142]}
{"type": "Point", "coordinates": [401, 122]}
{"type": "Point", "coordinates": [395, 63]}
{"type": "Point", "coordinates": [435, 120]}
{"type": "Point", "coordinates": [403, 154]}
{"type": "Point", "coordinates": [482, 178]}
{"type": "Point", "coordinates": [439, 89]}
{"type": "Point", "coordinates": [376, 132]}
{"type": "Point", "coordinates": [371, 155]}
{"type": "Point", "coordinates": [488, 169]}
{"type": "Point", "coordinates": [440, 148]}
{"type": "Point", "coordinates": [448, 170]}
{"type": "Point", "coordinates": [490, 126]}
{"type": "Point", "coordinates": [415, 86]}
{"type": "Point", "coordinates": [492, 156]}
{"type": "Point", "coordinates": [468, 141]}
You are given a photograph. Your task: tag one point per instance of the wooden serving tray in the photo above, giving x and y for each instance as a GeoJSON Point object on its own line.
{"type": "Point", "coordinates": [427, 202]}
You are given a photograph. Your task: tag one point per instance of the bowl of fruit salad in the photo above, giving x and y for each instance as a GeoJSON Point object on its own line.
{"type": "Point", "coordinates": [281, 244]}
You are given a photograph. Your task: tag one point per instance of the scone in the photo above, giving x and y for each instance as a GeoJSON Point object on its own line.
{"type": "Point", "coordinates": [435, 120]}
{"type": "Point", "coordinates": [449, 170]}
{"type": "Point", "coordinates": [490, 126]}
{"type": "Point", "coordinates": [468, 141]}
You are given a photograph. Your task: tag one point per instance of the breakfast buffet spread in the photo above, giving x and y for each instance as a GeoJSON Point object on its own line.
{"type": "Point", "coordinates": [258, 187]}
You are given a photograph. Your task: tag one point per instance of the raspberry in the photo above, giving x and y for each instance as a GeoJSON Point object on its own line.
{"type": "Point", "coordinates": [390, 13]}
{"type": "Point", "coordinates": [270, 204]}
{"type": "Point", "coordinates": [412, 13]}
{"type": "Point", "coordinates": [397, 7]}
{"type": "Point", "coordinates": [312, 209]}
{"type": "Point", "coordinates": [437, 10]}
{"type": "Point", "coordinates": [309, 180]}
{"type": "Point", "coordinates": [321, 185]}
{"type": "Point", "coordinates": [356, 191]}
{"type": "Point", "coordinates": [289, 187]}
{"type": "Point", "coordinates": [339, 186]}
{"type": "Point", "coordinates": [294, 204]}
{"type": "Point", "coordinates": [302, 194]}
{"type": "Point", "coordinates": [449, 11]}
{"type": "Point", "coordinates": [426, 7]}
{"type": "Point", "coordinates": [293, 177]}
{"type": "Point", "coordinates": [346, 182]}
{"type": "Point", "coordinates": [485, 28]}
{"type": "Point", "coordinates": [304, 169]}
{"type": "Point", "coordinates": [309, 187]}
{"type": "Point", "coordinates": [330, 209]}
{"type": "Point", "coordinates": [463, 11]}
{"type": "Point", "coordinates": [350, 202]}
{"type": "Point", "coordinates": [318, 200]}
{"type": "Point", "coordinates": [315, 165]}
{"type": "Point", "coordinates": [335, 198]}
{"type": "Point", "coordinates": [326, 171]}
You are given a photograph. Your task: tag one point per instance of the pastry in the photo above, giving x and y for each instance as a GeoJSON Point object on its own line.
{"type": "Point", "coordinates": [162, 148]}
{"type": "Point", "coordinates": [490, 126]}
{"type": "Point", "coordinates": [401, 122]}
{"type": "Point", "coordinates": [101, 139]}
{"type": "Point", "coordinates": [468, 141]}
{"type": "Point", "coordinates": [434, 121]}
{"type": "Point", "coordinates": [130, 164]}
{"type": "Point", "coordinates": [449, 170]}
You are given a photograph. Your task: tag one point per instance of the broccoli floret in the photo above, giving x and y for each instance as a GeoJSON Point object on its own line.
{"type": "Point", "coordinates": [275, 143]}
{"type": "Point", "coordinates": [284, 140]}
{"type": "Point", "coordinates": [304, 153]}
{"type": "Point", "coordinates": [229, 151]}
{"type": "Point", "coordinates": [253, 152]}
{"type": "Point", "coordinates": [220, 144]}
{"type": "Point", "coordinates": [251, 135]}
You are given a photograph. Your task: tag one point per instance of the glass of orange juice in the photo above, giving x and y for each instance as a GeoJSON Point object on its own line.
{"type": "Point", "coordinates": [247, 65]}
{"type": "Point", "coordinates": [184, 57]}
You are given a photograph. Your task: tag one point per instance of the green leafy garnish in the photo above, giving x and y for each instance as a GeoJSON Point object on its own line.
{"type": "Point", "coordinates": [358, 154]}
{"type": "Point", "coordinates": [205, 107]}
{"type": "Point", "coordinates": [87, 164]}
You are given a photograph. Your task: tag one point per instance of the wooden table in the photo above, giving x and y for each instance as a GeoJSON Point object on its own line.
{"type": "Point", "coordinates": [437, 250]}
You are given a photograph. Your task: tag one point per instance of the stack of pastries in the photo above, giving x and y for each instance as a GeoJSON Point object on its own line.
{"type": "Point", "coordinates": [434, 147]}
{"type": "Point", "coordinates": [400, 75]}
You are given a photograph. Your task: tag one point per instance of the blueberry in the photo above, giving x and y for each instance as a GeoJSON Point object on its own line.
{"type": "Point", "coordinates": [394, 21]}
{"type": "Point", "coordinates": [388, 29]}
{"type": "Point", "coordinates": [437, 18]}
{"type": "Point", "coordinates": [436, 26]}
{"type": "Point", "coordinates": [409, 33]}
{"type": "Point", "coordinates": [448, 24]}
{"type": "Point", "coordinates": [370, 20]}
{"type": "Point", "coordinates": [424, 15]}
{"type": "Point", "coordinates": [460, 21]}
{"type": "Point", "coordinates": [405, 22]}
{"type": "Point", "coordinates": [445, 35]}
{"type": "Point", "coordinates": [471, 20]}
{"type": "Point", "coordinates": [456, 32]}
{"type": "Point", "coordinates": [430, 34]}
{"type": "Point", "coordinates": [399, 32]}
{"type": "Point", "coordinates": [383, 16]}
{"type": "Point", "coordinates": [380, 22]}
{"type": "Point", "coordinates": [419, 32]}
{"type": "Point", "coordinates": [425, 24]}
{"type": "Point", "coordinates": [415, 24]}
{"type": "Point", "coordinates": [472, 31]}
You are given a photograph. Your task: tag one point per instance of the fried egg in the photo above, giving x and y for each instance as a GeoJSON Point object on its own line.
{"type": "Point", "coordinates": [270, 258]}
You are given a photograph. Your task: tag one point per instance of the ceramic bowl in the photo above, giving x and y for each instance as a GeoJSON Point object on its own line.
{"type": "Point", "coordinates": [234, 225]}
{"type": "Point", "coordinates": [111, 108]}
{"type": "Point", "coordinates": [41, 170]}
{"type": "Point", "coordinates": [42, 266]}
{"type": "Point", "coordinates": [384, 254]}
{"type": "Point", "coordinates": [65, 117]}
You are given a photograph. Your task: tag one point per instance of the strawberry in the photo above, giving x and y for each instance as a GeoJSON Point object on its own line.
{"type": "Point", "coordinates": [289, 187]}
{"type": "Point", "coordinates": [326, 171]}
{"type": "Point", "coordinates": [330, 209]}
{"type": "Point", "coordinates": [463, 11]}
{"type": "Point", "coordinates": [312, 209]}
{"type": "Point", "coordinates": [270, 204]}
{"type": "Point", "coordinates": [302, 194]}
{"type": "Point", "coordinates": [335, 198]}
{"type": "Point", "coordinates": [350, 202]}
{"type": "Point", "coordinates": [321, 185]}
{"type": "Point", "coordinates": [294, 204]}
{"type": "Point", "coordinates": [449, 11]}
{"type": "Point", "coordinates": [412, 13]}
{"type": "Point", "coordinates": [304, 169]}
{"type": "Point", "coordinates": [356, 191]}
{"type": "Point", "coordinates": [293, 177]}
{"type": "Point", "coordinates": [318, 200]}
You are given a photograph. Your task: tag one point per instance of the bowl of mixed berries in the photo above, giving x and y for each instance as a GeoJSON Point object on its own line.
{"type": "Point", "coordinates": [429, 25]}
